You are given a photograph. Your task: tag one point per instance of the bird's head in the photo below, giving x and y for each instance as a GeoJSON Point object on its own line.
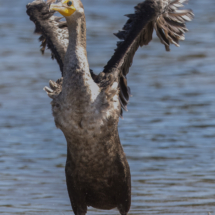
{"type": "Point", "coordinates": [67, 7]}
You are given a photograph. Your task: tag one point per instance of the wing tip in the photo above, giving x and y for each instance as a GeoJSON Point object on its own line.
{"type": "Point", "coordinates": [170, 25]}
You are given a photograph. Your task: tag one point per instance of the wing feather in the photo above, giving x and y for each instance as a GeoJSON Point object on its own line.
{"type": "Point", "coordinates": [53, 31]}
{"type": "Point", "coordinates": [168, 20]}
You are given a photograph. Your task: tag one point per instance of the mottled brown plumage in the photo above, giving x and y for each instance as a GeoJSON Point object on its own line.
{"type": "Point", "coordinates": [86, 107]}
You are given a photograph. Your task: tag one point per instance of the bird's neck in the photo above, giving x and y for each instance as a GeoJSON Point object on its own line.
{"type": "Point", "coordinates": [76, 56]}
{"type": "Point", "coordinates": [78, 85]}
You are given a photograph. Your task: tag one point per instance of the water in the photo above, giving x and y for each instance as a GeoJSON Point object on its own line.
{"type": "Point", "coordinates": [168, 134]}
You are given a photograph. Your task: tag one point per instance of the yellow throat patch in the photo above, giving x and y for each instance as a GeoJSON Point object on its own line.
{"type": "Point", "coordinates": [65, 7]}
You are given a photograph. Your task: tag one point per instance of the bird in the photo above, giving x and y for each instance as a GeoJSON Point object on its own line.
{"type": "Point", "coordinates": [87, 107]}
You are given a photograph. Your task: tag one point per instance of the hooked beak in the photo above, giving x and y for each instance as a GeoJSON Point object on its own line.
{"type": "Point", "coordinates": [62, 9]}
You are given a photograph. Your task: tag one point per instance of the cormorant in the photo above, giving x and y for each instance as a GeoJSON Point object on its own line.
{"type": "Point", "coordinates": [87, 107]}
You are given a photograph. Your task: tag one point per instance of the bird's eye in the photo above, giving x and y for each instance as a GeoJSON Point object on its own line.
{"type": "Point", "coordinates": [69, 3]}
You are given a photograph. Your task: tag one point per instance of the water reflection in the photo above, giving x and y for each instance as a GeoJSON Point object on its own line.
{"type": "Point", "coordinates": [168, 133]}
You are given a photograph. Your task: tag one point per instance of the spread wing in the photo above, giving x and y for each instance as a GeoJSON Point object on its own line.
{"type": "Point", "coordinates": [166, 17]}
{"type": "Point", "coordinates": [54, 33]}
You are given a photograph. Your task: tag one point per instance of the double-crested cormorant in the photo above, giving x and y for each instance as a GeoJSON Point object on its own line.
{"type": "Point", "coordinates": [87, 107]}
